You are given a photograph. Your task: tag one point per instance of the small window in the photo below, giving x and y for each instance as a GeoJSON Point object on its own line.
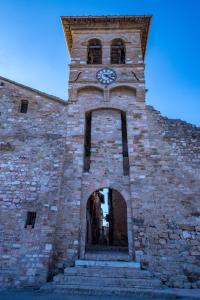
{"type": "Point", "coordinates": [24, 107]}
{"type": "Point", "coordinates": [125, 144]}
{"type": "Point", "coordinates": [87, 144]}
{"type": "Point", "coordinates": [118, 52]}
{"type": "Point", "coordinates": [94, 52]}
{"type": "Point", "coordinates": [30, 219]}
{"type": "Point", "coordinates": [2, 84]}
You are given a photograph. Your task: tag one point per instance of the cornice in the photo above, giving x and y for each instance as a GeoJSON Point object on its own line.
{"type": "Point", "coordinates": [119, 82]}
{"type": "Point", "coordinates": [117, 66]}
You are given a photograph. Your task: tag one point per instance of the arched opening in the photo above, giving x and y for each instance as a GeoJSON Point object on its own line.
{"type": "Point", "coordinates": [106, 220]}
{"type": "Point", "coordinates": [118, 52]}
{"type": "Point", "coordinates": [94, 52]}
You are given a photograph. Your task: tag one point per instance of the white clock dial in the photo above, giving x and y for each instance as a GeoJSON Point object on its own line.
{"type": "Point", "coordinates": [106, 76]}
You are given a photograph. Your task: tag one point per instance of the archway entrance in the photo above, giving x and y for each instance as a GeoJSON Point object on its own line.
{"type": "Point", "coordinates": [106, 220]}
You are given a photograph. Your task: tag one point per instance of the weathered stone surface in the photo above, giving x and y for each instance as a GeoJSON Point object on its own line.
{"type": "Point", "coordinates": [42, 160]}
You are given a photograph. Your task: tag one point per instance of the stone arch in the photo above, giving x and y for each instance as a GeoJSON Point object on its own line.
{"type": "Point", "coordinates": [108, 184]}
{"type": "Point", "coordinates": [87, 93]}
{"type": "Point", "coordinates": [94, 51]}
{"type": "Point", "coordinates": [118, 51]}
{"type": "Point", "coordinates": [127, 88]}
{"type": "Point", "coordinates": [103, 107]}
{"type": "Point", "coordinates": [123, 94]}
{"type": "Point", "coordinates": [89, 38]}
{"type": "Point", "coordinates": [90, 88]}
{"type": "Point", "coordinates": [104, 141]}
{"type": "Point", "coordinates": [110, 116]}
{"type": "Point", "coordinates": [121, 37]}
{"type": "Point", "coordinates": [86, 193]}
{"type": "Point", "coordinates": [106, 219]}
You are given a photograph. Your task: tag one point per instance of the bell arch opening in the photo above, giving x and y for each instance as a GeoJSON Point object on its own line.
{"type": "Point", "coordinates": [118, 52]}
{"type": "Point", "coordinates": [106, 221]}
{"type": "Point", "coordinates": [94, 52]}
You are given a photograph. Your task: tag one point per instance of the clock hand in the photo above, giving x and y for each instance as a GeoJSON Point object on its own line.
{"type": "Point", "coordinates": [110, 76]}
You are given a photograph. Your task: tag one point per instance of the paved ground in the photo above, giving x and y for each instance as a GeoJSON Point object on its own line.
{"type": "Point", "coordinates": [28, 294]}
{"type": "Point", "coordinates": [36, 295]}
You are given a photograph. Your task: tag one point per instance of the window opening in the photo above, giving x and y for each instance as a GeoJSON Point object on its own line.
{"type": "Point", "coordinates": [30, 219]}
{"type": "Point", "coordinates": [24, 106]}
{"type": "Point", "coordinates": [87, 144]}
{"type": "Point", "coordinates": [118, 53]}
{"type": "Point", "coordinates": [125, 144]}
{"type": "Point", "coordinates": [94, 53]}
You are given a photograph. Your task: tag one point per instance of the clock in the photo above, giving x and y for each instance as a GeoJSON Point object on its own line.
{"type": "Point", "coordinates": [106, 76]}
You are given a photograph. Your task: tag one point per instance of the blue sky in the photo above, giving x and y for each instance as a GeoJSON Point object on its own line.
{"type": "Point", "coordinates": [33, 49]}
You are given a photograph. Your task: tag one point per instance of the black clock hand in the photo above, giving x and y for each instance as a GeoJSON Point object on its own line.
{"type": "Point", "coordinates": [110, 76]}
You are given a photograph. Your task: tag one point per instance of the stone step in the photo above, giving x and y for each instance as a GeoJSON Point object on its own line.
{"type": "Point", "coordinates": [106, 263]}
{"type": "Point", "coordinates": [93, 290]}
{"type": "Point", "coordinates": [147, 293]}
{"type": "Point", "coordinates": [98, 255]}
{"type": "Point", "coordinates": [91, 275]}
{"type": "Point", "coordinates": [87, 281]}
{"type": "Point", "coordinates": [107, 272]}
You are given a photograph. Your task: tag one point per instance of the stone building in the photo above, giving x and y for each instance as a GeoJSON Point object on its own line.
{"type": "Point", "coordinates": [102, 179]}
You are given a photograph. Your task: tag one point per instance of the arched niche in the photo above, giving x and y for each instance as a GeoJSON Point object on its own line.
{"type": "Point", "coordinates": [123, 88]}
{"type": "Point", "coordinates": [100, 140]}
{"type": "Point", "coordinates": [90, 94]}
{"type": "Point", "coordinates": [122, 94]}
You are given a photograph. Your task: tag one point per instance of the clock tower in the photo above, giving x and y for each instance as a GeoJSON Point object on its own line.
{"type": "Point", "coordinates": [105, 115]}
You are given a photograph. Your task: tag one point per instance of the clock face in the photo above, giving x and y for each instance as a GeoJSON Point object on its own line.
{"type": "Point", "coordinates": [106, 76]}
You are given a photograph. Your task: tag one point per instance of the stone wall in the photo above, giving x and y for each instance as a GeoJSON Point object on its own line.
{"type": "Point", "coordinates": [31, 150]}
{"type": "Point", "coordinates": [119, 220]}
{"type": "Point", "coordinates": [166, 223]}
{"type": "Point", "coordinates": [106, 141]}
{"type": "Point", "coordinates": [42, 171]}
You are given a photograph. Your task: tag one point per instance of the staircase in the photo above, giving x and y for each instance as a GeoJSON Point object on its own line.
{"type": "Point", "coordinates": [104, 277]}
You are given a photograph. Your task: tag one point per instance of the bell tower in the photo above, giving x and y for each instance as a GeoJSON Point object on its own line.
{"type": "Point", "coordinates": [106, 114]}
